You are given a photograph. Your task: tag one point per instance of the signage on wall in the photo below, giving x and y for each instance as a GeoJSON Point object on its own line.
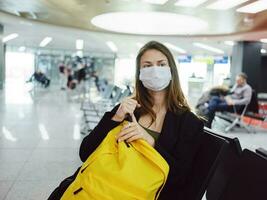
{"type": "Point", "coordinates": [184, 59]}
{"type": "Point", "coordinates": [204, 59]}
{"type": "Point", "coordinates": [220, 60]}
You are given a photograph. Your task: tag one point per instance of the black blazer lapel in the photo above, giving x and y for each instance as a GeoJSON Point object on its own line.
{"type": "Point", "coordinates": [170, 131]}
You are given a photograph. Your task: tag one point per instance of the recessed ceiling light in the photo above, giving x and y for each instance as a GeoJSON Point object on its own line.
{"type": "Point", "coordinates": [161, 2]}
{"type": "Point", "coordinates": [225, 4]}
{"type": "Point", "coordinates": [34, 16]}
{"type": "Point", "coordinates": [209, 48]}
{"type": "Point", "coordinates": [112, 46]}
{"type": "Point", "coordinates": [264, 40]}
{"type": "Point", "coordinates": [174, 47]}
{"type": "Point", "coordinates": [189, 3]}
{"type": "Point", "coordinates": [230, 43]}
{"type": "Point", "coordinates": [10, 37]}
{"type": "Point", "coordinates": [45, 41]}
{"type": "Point", "coordinates": [254, 7]}
{"type": "Point", "coordinates": [150, 23]}
{"type": "Point", "coordinates": [79, 44]}
{"type": "Point", "coordinates": [22, 48]}
{"type": "Point", "coordinates": [263, 51]}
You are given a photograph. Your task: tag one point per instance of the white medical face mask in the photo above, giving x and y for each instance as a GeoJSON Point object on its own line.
{"type": "Point", "coordinates": [155, 78]}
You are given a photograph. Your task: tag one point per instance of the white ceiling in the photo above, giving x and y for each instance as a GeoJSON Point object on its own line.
{"type": "Point", "coordinates": [31, 33]}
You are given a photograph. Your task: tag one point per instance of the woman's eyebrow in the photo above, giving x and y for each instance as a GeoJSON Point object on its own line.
{"type": "Point", "coordinates": [147, 62]}
{"type": "Point", "coordinates": [162, 60]}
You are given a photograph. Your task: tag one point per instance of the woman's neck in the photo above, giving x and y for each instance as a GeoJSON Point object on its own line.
{"type": "Point", "coordinates": [159, 100]}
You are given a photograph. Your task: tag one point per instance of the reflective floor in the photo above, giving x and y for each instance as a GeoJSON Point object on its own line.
{"type": "Point", "coordinates": [40, 138]}
{"type": "Point", "coordinates": [39, 143]}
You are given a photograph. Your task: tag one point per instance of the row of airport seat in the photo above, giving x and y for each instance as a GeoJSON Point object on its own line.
{"type": "Point", "coordinates": [252, 112]}
{"type": "Point", "coordinates": [223, 171]}
{"type": "Point", "coordinates": [95, 106]}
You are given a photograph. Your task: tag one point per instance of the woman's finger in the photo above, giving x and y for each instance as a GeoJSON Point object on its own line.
{"type": "Point", "coordinates": [132, 102]}
{"type": "Point", "coordinates": [126, 131]}
{"type": "Point", "coordinates": [133, 118]}
{"type": "Point", "coordinates": [127, 136]}
{"type": "Point", "coordinates": [129, 109]}
{"type": "Point", "coordinates": [135, 137]}
{"type": "Point", "coordinates": [126, 126]}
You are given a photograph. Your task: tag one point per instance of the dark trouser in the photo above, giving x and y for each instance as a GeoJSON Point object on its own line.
{"type": "Point", "coordinates": [218, 104]}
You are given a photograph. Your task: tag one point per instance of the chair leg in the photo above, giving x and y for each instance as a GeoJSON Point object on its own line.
{"type": "Point", "coordinates": [232, 125]}
{"type": "Point", "coordinates": [244, 126]}
{"type": "Point", "coordinates": [238, 121]}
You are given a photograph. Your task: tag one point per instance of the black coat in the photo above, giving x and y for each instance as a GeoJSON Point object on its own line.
{"type": "Point", "coordinates": [178, 143]}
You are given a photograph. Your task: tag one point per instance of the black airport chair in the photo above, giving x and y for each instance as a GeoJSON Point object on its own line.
{"type": "Point", "coordinates": [249, 180]}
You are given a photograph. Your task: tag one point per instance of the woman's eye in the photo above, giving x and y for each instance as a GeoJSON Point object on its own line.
{"type": "Point", "coordinates": [146, 65]}
{"type": "Point", "coordinates": [163, 64]}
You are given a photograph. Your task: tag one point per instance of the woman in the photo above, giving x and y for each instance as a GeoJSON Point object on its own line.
{"type": "Point", "coordinates": [160, 115]}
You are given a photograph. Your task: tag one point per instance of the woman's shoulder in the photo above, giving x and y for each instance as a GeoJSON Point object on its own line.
{"type": "Point", "coordinates": [188, 117]}
{"type": "Point", "coordinates": [190, 124]}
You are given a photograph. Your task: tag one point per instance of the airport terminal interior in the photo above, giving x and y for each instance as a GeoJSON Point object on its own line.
{"type": "Point", "coordinates": [65, 63]}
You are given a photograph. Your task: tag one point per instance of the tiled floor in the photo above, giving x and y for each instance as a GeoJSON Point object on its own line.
{"type": "Point", "coordinates": [250, 140]}
{"type": "Point", "coordinates": [39, 142]}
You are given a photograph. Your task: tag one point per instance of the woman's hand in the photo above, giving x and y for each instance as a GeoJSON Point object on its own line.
{"type": "Point", "coordinates": [127, 105]}
{"type": "Point", "coordinates": [133, 131]}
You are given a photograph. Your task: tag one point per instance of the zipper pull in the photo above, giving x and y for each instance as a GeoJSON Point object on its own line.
{"type": "Point", "coordinates": [127, 144]}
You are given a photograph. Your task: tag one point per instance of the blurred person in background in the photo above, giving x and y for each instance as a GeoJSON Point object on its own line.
{"type": "Point", "coordinates": [239, 97]}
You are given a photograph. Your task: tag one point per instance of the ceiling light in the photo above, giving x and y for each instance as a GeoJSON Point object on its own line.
{"type": "Point", "coordinates": [150, 23]}
{"type": "Point", "coordinates": [34, 16]}
{"type": "Point", "coordinates": [209, 48]}
{"type": "Point", "coordinates": [230, 43]}
{"type": "Point", "coordinates": [263, 51]}
{"type": "Point", "coordinates": [264, 40]}
{"type": "Point", "coordinates": [22, 48]}
{"type": "Point", "coordinates": [175, 48]}
{"type": "Point", "coordinates": [161, 2]}
{"type": "Point", "coordinates": [10, 37]}
{"type": "Point", "coordinates": [254, 7]}
{"type": "Point", "coordinates": [225, 4]}
{"type": "Point", "coordinates": [79, 44]}
{"type": "Point", "coordinates": [189, 3]}
{"type": "Point", "coordinates": [112, 46]}
{"type": "Point", "coordinates": [45, 41]}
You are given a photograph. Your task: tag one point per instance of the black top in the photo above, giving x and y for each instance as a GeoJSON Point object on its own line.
{"type": "Point", "coordinates": [154, 134]}
{"type": "Point", "coordinates": [178, 143]}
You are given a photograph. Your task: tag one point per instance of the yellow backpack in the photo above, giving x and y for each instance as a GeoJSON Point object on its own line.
{"type": "Point", "coordinates": [120, 171]}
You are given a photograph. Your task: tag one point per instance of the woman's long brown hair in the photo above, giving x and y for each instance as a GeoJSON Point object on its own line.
{"type": "Point", "coordinates": [175, 99]}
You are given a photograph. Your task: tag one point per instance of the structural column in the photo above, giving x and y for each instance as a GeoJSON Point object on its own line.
{"type": "Point", "coordinates": [2, 59]}
{"type": "Point", "coordinates": [246, 57]}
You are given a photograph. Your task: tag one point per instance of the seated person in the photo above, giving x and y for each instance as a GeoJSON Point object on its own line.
{"type": "Point", "coordinates": [41, 78]}
{"type": "Point", "coordinates": [235, 102]}
{"type": "Point", "coordinates": [72, 82]}
{"type": "Point", "coordinates": [203, 102]}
